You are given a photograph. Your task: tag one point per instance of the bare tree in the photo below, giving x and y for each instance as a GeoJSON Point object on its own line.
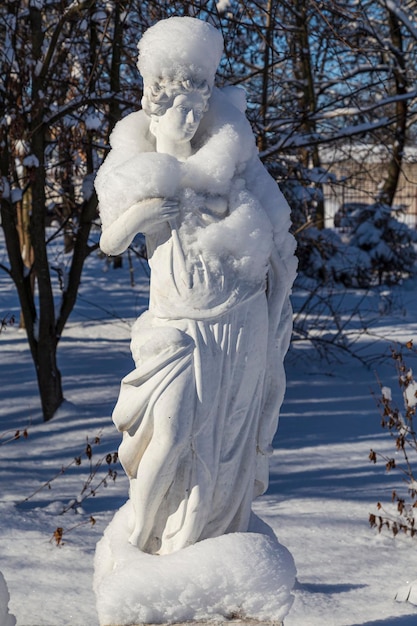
{"type": "Point", "coordinates": [57, 93]}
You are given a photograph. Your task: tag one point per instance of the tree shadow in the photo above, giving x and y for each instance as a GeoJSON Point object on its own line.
{"type": "Point", "coordinates": [400, 620]}
{"type": "Point", "coordinates": [326, 588]}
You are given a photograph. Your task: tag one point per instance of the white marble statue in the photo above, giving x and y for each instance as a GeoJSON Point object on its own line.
{"type": "Point", "coordinates": [199, 411]}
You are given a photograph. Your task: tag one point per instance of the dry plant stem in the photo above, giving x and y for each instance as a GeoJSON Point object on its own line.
{"type": "Point", "coordinates": [87, 488]}
{"type": "Point", "coordinates": [111, 474]}
{"type": "Point", "coordinates": [7, 320]}
{"type": "Point", "coordinates": [109, 458]}
{"type": "Point", "coordinates": [17, 435]}
{"type": "Point", "coordinates": [401, 428]}
{"type": "Point", "coordinates": [47, 483]}
{"type": "Point", "coordinates": [59, 532]}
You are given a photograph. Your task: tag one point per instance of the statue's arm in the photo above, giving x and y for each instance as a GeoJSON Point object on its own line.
{"type": "Point", "coordinates": [141, 217]}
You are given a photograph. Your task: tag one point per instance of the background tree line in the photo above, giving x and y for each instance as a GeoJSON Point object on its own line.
{"type": "Point", "coordinates": [318, 74]}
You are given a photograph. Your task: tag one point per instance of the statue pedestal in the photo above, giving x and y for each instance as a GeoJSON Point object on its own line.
{"type": "Point", "coordinates": [239, 579]}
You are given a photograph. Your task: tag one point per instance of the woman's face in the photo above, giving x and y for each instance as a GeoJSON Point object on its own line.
{"type": "Point", "coordinates": [179, 123]}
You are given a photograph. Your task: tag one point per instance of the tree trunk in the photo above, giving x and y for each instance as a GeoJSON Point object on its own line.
{"type": "Point", "coordinates": [262, 141]}
{"type": "Point", "coordinates": [45, 339]}
{"type": "Point", "coordinates": [49, 377]}
{"type": "Point", "coordinates": [23, 208]}
{"type": "Point", "coordinates": [401, 113]}
{"type": "Point", "coordinates": [81, 251]}
{"type": "Point", "coordinates": [307, 100]}
{"type": "Point", "coordinates": [42, 344]}
{"type": "Point", "coordinates": [42, 336]}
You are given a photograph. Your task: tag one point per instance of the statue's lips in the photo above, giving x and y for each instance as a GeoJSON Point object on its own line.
{"type": "Point", "coordinates": [190, 130]}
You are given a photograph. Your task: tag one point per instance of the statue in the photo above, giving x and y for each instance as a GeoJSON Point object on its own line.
{"type": "Point", "coordinates": [199, 410]}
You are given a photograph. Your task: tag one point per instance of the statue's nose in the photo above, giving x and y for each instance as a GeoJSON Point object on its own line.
{"type": "Point", "coordinates": [191, 117]}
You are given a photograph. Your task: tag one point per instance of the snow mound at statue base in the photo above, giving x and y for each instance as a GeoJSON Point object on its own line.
{"type": "Point", "coordinates": [235, 576]}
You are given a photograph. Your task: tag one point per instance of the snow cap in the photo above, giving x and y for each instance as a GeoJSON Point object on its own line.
{"type": "Point", "coordinates": [180, 48]}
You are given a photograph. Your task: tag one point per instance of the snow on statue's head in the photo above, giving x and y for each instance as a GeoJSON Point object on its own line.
{"type": "Point", "coordinates": [177, 55]}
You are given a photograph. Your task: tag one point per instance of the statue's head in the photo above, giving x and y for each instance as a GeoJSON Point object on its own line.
{"type": "Point", "coordinates": [178, 56]}
{"type": "Point", "coordinates": [159, 97]}
{"type": "Point", "coordinates": [179, 117]}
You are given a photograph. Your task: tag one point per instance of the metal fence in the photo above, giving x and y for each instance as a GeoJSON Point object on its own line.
{"type": "Point", "coordinates": [357, 181]}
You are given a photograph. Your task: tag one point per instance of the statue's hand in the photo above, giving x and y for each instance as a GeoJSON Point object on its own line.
{"type": "Point", "coordinates": [141, 217]}
{"type": "Point", "coordinates": [155, 211]}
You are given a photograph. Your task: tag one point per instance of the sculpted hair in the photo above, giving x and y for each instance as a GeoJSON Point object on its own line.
{"type": "Point", "coordinates": [158, 97]}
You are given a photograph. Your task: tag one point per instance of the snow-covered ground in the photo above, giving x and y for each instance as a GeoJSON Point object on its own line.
{"type": "Point", "coordinates": [322, 486]}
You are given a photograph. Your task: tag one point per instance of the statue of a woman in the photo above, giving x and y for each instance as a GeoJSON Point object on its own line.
{"type": "Point", "coordinates": [199, 410]}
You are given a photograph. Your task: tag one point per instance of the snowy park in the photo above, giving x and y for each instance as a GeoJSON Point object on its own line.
{"type": "Point", "coordinates": [208, 335]}
{"type": "Point", "coordinates": [322, 485]}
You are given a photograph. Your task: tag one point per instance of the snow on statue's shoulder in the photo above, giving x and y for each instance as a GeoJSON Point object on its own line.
{"type": "Point", "coordinates": [131, 135]}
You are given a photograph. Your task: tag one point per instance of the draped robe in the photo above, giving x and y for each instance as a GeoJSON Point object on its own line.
{"type": "Point", "coordinates": [200, 408]}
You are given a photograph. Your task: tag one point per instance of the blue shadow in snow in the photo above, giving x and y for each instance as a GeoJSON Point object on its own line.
{"type": "Point", "coordinates": [401, 620]}
{"type": "Point", "coordinates": [326, 589]}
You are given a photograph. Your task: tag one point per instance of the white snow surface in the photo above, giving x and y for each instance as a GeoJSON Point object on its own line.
{"type": "Point", "coordinates": [246, 574]}
{"type": "Point", "coordinates": [322, 486]}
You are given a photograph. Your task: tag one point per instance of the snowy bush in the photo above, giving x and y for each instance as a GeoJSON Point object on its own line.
{"type": "Point", "coordinates": [373, 247]}
{"type": "Point", "coordinates": [400, 516]}
{"type": "Point", "coordinates": [324, 256]}
{"type": "Point", "coordinates": [302, 195]}
{"type": "Point", "coordinates": [388, 243]}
